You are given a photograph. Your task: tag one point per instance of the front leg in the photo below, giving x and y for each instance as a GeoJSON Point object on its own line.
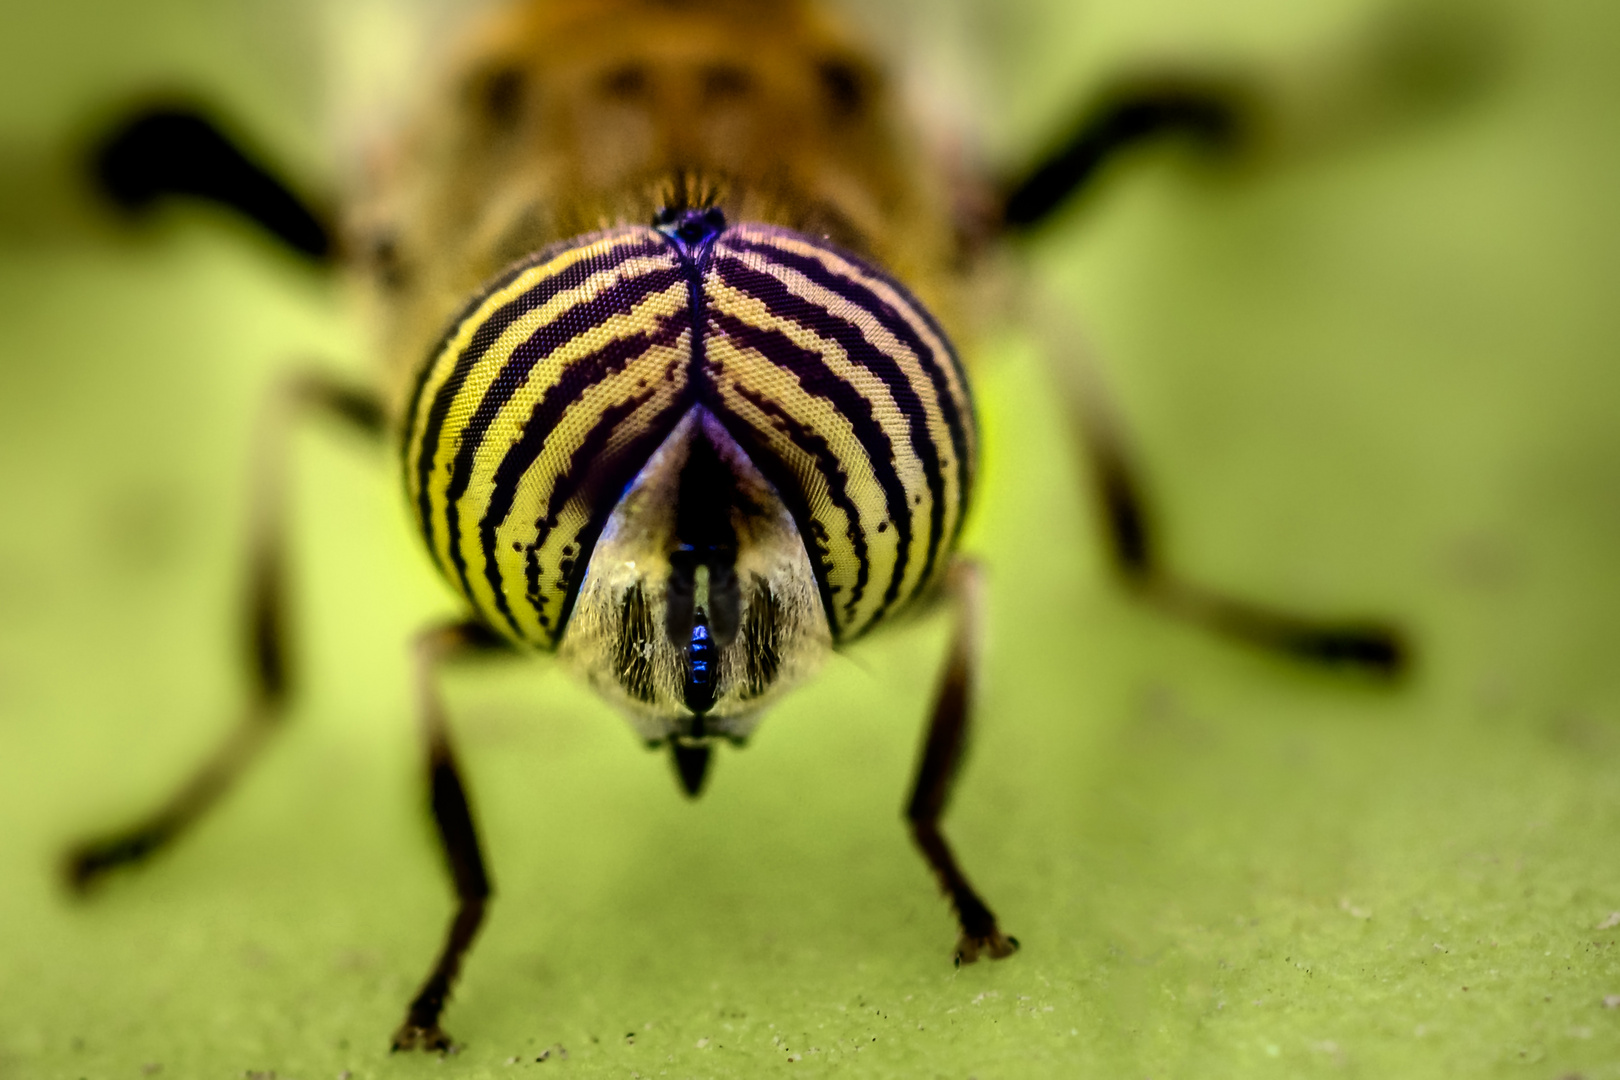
{"type": "Point", "coordinates": [457, 834]}
{"type": "Point", "coordinates": [177, 150]}
{"type": "Point", "coordinates": [940, 762]}
{"type": "Point", "coordinates": [1412, 63]}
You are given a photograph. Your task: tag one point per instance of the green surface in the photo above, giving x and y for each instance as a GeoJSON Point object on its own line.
{"type": "Point", "coordinates": [1379, 380]}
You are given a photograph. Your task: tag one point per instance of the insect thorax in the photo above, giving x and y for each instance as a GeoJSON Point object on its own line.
{"type": "Point", "coordinates": [692, 457]}
{"type": "Point", "coordinates": [559, 118]}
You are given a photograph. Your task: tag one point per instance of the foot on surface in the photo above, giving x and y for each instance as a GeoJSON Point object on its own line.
{"type": "Point", "coordinates": [85, 865]}
{"type": "Point", "coordinates": [431, 1039]}
{"type": "Point", "coordinates": [995, 945]}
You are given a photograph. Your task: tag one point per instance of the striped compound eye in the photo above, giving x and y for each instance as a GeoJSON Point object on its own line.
{"type": "Point", "coordinates": [692, 456]}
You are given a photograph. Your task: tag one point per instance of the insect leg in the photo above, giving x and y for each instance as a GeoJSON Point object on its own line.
{"type": "Point", "coordinates": [939, 764]}
{"type": "Point", "coordinates": [1210, 113]}
{"type": "Point", "coordinates": [1413, 63]}
{"type": "Point", "coordinates": [1135, 547]}
{"type": "Point", "coordinates": [171, 150]}
{"type": "Point", "coordinates": [457, 834]}
{"type": "Point", "coordinates": [267, 639]}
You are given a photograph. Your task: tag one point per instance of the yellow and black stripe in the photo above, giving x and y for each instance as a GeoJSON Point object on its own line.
{"type": "Point", "coordinates": [850, 399]}
{"type": "Point", "coordinates": [550, 392]}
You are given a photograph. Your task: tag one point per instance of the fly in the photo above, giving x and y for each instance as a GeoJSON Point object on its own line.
{"type": "Point", "coordinates": [669, 297]}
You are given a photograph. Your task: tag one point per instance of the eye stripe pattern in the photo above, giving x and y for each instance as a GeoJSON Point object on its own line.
{"type": "Point", "coordinates": [519, 292]}
{"type": "Point", "coordinates": [550, 392]}
{"type": "Point", "coordinates": [545, 352]}
{"type": "Point", "coordinates": [852, 403]}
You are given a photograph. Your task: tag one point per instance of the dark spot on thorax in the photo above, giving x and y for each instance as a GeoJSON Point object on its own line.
{"type": "Point", "coordinates": [625, 82]}
{"type": "Point", "coordinates": [387, 264]}
{"type": "Point", "coordinates": [844, 86]}
{"type": "Point", "coordinates": [497, 95]}
{"type": "Point", "coordinates": [725, 82]}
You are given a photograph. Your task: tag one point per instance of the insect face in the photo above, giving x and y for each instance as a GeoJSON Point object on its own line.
{"type": "Point", "coordinates": [693, 457]}
{"type": "Point", "coordinates": [699, 605]}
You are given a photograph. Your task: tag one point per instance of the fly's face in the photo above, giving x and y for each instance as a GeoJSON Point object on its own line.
{"type": "Point", "coordinates": [692, 457]}
{"type": "Point", "coordinates": [689, 439]}
{"type": "Point", "coordinates": [699, 604]}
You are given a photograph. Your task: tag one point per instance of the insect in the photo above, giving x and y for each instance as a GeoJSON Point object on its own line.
{"type": "Point", "coordinates": [669, 293]}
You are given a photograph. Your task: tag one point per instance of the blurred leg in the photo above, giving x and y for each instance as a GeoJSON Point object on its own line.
{"type": "Point", "coordinates": [1412, 64]}
{"type": "Point", "coordinates": [1208, 113]}
{"type": "Point", "coordinates": [177, 151]}
{"type": "Point", "coordinates": [1137, 554]}
{"type": "Point", "coordinates": [270, 676]}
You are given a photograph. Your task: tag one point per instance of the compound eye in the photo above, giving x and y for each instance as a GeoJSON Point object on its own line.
{"type": "Point", "coordinates": [541, 402]}
{"type": "Point", "coordinates": [845, 392]}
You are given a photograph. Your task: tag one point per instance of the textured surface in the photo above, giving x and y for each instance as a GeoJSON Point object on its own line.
{"type": "Point", "coordinates": [1381, 380]}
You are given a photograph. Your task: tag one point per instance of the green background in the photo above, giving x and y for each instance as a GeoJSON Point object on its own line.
{"type": "Point", "coordinates": [1376, 377]}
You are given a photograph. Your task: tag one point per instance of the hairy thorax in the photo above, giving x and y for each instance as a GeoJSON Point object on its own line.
{"type": "Point", "coordinates": [568, 117]}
